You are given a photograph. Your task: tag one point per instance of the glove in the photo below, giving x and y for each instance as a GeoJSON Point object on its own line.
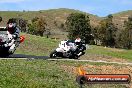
{"type": "Point", "coordinates": [14, 36]}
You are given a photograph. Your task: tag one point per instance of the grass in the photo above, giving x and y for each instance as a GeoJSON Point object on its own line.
{"type": "Point", "coordinates": [54, 74]}
{"type": "Point", "coordinates": [119, 53]}
{"type": "Point", "coordinates": [42, 74]}
{"type": "Point", "coordinates": [41, 46]}
{"type": "Point", "coordinates": [36, 45]}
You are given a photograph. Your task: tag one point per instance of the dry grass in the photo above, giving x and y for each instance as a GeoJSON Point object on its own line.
{"type": "Point", "coordinates": [36, 45]}
{"type": "Point", "coordinates": [99, 69]}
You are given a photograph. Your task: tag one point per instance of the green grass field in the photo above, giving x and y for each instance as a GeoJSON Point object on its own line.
{"type": "Point", "coordinates": [44, 74]}
{"type": "Point", "coordinates": [40, 73]}
{"type": "Point", "coordinates": [118, 53]}
{"type": "Point", "coordinates": [36, 45]}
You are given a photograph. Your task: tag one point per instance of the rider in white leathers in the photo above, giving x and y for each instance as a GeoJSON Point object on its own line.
{"type": "Point", "coordinates": [76, 46]}
{"type": "Point", "coordinates": [13, 33]}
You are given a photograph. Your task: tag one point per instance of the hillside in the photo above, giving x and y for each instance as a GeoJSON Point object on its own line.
{"type": "Point", "coordinates": [120, 17]}
{"type": "Point", "coordinates": [51, 15]}
{"type": "Point", "coordinates": [54, 18]}
{"type": "Point", "coordinates": [59, 16]}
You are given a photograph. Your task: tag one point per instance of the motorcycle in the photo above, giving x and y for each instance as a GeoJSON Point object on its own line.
{"type": "Point", "coordinates": [7, 44]}
{"type": "Point", "coordinates": [67, 50]}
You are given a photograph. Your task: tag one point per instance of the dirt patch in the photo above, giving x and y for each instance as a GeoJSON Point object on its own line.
{"type": "Point", "coordinates": [103, 58]}
{"type": "Point", "coordinates": [69, 69]}
{"type": "Point", "coordinates": [100, 69]}
{"type": "Point", "coordinates": [108, 69]}
{"type": "Point", "coordinates": [115, 49]}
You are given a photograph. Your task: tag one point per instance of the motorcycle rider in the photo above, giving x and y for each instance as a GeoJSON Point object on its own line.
{"type": "Point", "coordinates": [75, 46]}
{"type": "Point", "coordinates": [13, 32]}
{"type": "Point", "coordinates": [72, 45]}
{"type": "Point", "coordinates": [80, 47]}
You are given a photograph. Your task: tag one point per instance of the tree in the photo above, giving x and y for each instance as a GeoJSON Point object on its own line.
{"type": "Point", "coordinates": [38, 26]}
{"type": "Point", "coordinates": [41, 26]}
{"type": "Point", "coordinates": [78, 25]}
{"type": "Point", "coordinates": [107, 31]}
{"type": "Point", "coordinates": [35, 19]}
{"type": "Point", "coordinates": [95, 34]}
{"type": "Point", "coordinates": [101, 32]}
{"type": "Point", "coordinates": [0, 18]}
{"type": "Point", "coordinates": [31, 28]}
{"type": "Point", "coordinates": [126, 34]}
{"type": "Point", "coordinates": [23, 24]}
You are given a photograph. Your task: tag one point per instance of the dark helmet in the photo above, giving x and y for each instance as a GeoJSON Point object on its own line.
{"type": "Point", "coordinates": [11, 25]}
{"type": "Point", "coordinates": [12, 20]}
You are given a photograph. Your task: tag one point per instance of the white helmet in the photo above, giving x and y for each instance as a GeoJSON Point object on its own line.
{"type": "Point", "coordinates": [77, 41]}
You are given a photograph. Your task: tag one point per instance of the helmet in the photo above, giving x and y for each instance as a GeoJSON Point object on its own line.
{"type": "Point", "coordinates": [12, 20]}
{"type": "Point", "coordinates": [78, 41]}
{"type": "Point", "coordinates": [11, 26]}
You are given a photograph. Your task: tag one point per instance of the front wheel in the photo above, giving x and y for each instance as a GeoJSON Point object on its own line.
{"type": "Point", "coordinates": [53, 54]}
{"type": "Point", "coordinates": [4, 54]}
{"type": "Point", "coordinates": [73, 57]}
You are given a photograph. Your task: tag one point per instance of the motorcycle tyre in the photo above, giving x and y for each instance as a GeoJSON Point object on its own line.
{"type": "Point", "coordinates": [52, 53]}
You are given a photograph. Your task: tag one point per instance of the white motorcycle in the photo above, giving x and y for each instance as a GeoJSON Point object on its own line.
{"type": "Point", "coordinates": [7, 44]}
{"type": "Point", "coordinates": [65, 50]}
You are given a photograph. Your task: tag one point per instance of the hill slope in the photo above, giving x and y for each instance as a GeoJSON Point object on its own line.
{"type": "Point", "coordinates": [56, 17]}
{"type": "Point", "coordinates": [120, 17]}
{"type": "Point", "coordinates": [59, 15]}
{"type": "Point", "coordinates": [51, 16]}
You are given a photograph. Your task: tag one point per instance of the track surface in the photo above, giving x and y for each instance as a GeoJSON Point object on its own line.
{"type": "Point", "coordinates": [22, 56]}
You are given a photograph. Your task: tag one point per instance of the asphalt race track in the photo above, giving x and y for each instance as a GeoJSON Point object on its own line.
{"type": "Point", "coordinates": [27, 56]}
{"type": "Point", "coordinates": [22, 56]}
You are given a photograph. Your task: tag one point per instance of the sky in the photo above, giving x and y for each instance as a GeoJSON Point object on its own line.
{"type": "Point", "coordinates": [97, 7]}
